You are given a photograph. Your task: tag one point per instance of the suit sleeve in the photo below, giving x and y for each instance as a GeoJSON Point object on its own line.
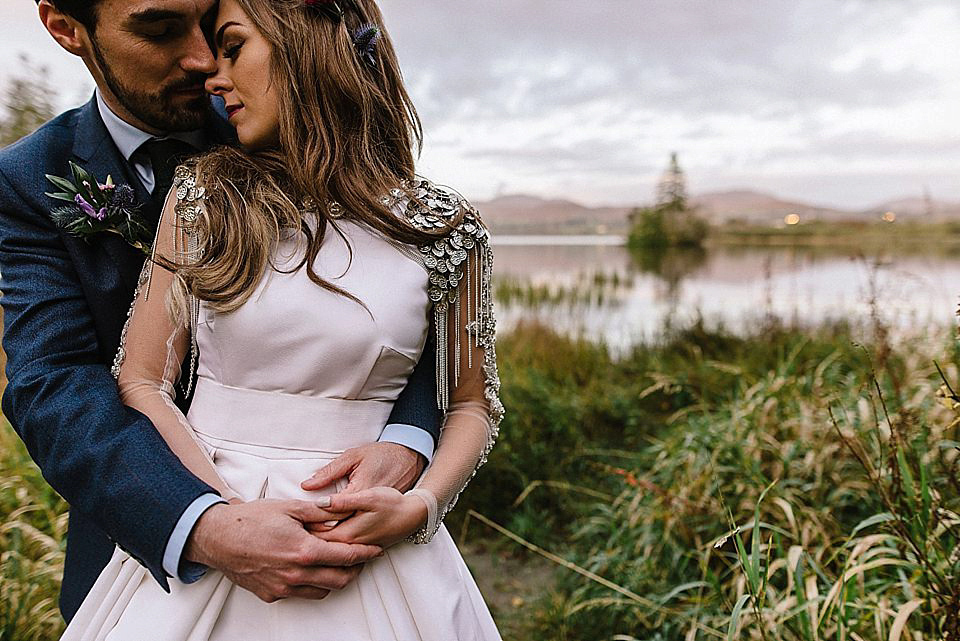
{"type": "Point", "coordinates": [105, 459]}
{"type": "Point", "coordinates": [417, 405]}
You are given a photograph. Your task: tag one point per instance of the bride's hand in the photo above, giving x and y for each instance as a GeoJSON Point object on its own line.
{"type": "Point", "coordinates": [381, 516]}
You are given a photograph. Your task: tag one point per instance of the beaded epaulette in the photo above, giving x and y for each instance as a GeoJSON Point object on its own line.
{"type": "Point", "coordinates": [460, 263]}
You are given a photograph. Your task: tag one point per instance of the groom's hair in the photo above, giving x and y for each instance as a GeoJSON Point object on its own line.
{"type": "Point", "coordinates": [83, 11]}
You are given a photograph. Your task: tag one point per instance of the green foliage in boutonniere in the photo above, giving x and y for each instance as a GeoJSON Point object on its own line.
{"type": "Point", "coordinates": [98, 207]}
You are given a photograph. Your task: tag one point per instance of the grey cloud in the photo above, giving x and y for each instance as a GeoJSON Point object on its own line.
{"type": "Point", "coordinates": [630, 79]}
{"type": "Point", "coordinates": [586, 157]}
{"type": "Point", "coordinates": [682, 56]}
{"type": "Point", "coordinates": [866, 144]}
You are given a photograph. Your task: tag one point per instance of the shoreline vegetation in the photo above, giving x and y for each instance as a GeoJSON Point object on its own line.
{"type": "Point", "coordinates": [860, 235]}
{"type": "Point", "coordinates": [788, 484]}
{"type": "Point", "coordinates": [863, 235]}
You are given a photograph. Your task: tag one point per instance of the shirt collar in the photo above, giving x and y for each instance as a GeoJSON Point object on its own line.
{"type": "Point", "coordinates": [129, 138]}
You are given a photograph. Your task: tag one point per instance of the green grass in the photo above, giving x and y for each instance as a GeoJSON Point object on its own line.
{"type": "Point", "coordinates": [32, 542]}
{"type": "Point", "coordinates": [786, 485]}
{"type": "Point", "coordinates": [865, 236]}
{"type": "Point", "coordinates": [683, 439]}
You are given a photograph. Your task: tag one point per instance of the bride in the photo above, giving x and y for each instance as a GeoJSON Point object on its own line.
{"type": "Point", "coordinates": [301, 278]}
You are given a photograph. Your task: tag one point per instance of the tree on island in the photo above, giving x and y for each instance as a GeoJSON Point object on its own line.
{"type": "Point", "coordinates": [672, 187]}
{"type": "Point", "coordinates": [26, 103]}
{"type": "Point", "coordinates": [670, 222]}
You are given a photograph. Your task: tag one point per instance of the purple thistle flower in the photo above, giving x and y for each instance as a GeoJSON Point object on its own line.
{"type": "Point", "coordinates": [365, 40]}
{"type": "Point", "coordinates": [123, 196]}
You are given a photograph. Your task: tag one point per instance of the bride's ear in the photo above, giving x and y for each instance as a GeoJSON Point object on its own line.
{"type": "Point", "coordinates": [66, 30]}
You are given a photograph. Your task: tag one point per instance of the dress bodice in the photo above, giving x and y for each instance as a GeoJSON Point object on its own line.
{"type": "Point", "coordinates": [294, 337]}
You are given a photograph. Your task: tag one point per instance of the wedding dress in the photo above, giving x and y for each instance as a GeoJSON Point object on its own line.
{"type": "Point", "coordinates": [287, 382]}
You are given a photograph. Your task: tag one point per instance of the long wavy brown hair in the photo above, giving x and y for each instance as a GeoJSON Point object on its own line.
{"type": "Point", "coordinates": [348, 134]}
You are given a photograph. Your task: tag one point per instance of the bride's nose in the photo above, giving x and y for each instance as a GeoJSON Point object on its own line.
{"type": "Point", "coordinates": [218, 84]}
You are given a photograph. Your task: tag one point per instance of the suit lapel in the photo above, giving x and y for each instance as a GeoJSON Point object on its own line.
{"type": "Point", "coordinates": [96, 152]}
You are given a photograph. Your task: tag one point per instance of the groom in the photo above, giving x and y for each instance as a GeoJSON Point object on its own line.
{"type": "Point", "coordinates": [65, 301]}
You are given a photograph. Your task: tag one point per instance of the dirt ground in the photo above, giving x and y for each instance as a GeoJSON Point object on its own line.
{"type": "Point", "coordinates": [510, 582]}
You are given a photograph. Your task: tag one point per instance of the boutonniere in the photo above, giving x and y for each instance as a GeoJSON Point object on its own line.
{"type": "Point", "coordinates": [98, 207]}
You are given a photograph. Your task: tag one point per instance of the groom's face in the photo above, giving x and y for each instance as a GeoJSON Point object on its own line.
{"type": "Point", "coordinates": [153, 57]}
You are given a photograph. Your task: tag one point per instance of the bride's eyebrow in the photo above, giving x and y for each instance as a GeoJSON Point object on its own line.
{"type": "Point", "coordinates": [219, 37]}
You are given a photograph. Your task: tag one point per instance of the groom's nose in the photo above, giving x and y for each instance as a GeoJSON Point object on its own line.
{"type": "Point", "coordinates": [198, 58]}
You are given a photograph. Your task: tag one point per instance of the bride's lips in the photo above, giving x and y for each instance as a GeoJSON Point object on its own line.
{"type": "Point", "coordinates": [232, 109]}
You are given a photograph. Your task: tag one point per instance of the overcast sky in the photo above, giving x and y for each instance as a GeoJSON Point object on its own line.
{"type": "Point", "coordinates": [840, 102]}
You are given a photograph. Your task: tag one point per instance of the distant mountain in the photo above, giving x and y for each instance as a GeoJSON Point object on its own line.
{"type": "Point", "coordinates": [759, 208]}
{"type": "Point", "coordinates": [913, 208]}
{"type": "Point", "coordinates": [523, 214]}
{"type": "Point", "coordinates": [520, 214]}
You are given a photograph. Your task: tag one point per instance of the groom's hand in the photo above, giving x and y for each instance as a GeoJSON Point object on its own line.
{"type": "Point", "coordinates": [375, 465]}
{"type": "Point", "coordinates": [262, 546]}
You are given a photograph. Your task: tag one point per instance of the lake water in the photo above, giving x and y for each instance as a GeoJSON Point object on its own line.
{"type": "Point", "coordinates": [594, 286]}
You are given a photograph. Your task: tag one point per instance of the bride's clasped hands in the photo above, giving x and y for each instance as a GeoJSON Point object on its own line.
{"type": "Point", "coordinates": [379, 516]}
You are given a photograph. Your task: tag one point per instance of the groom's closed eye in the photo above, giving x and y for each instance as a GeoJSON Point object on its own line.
{"type": "Point", "coordinates": [156, 25]}
{"type": "Point", "coordinates": [162, 32]}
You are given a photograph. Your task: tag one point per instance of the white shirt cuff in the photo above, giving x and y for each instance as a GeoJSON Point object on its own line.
{"type": "Point", "coordinates": [178, 539]}
{"type": "Point", "coordinates": [418, 440]}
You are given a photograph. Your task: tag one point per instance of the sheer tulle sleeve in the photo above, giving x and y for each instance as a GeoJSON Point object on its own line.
{"type": "Point", "coordinates": [467, 375]}
{"type": "Point", "coordinates": [155, 342]}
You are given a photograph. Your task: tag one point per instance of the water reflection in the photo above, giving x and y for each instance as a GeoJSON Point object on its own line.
{"type": "Point", "coordinates": [671, 265]}
{"type": "Point", "coordinates": [605, 291]}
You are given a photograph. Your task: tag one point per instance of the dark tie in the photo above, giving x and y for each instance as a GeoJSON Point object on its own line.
{"type": "Point", "coordinates": [164, 156]}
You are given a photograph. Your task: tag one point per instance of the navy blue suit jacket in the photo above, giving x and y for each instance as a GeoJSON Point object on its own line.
{"type": "Point", "coordinates": [65, 301]}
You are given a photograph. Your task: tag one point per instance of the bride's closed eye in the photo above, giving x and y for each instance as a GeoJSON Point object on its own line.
{"type": "Point", "coordinates": [230, 51]}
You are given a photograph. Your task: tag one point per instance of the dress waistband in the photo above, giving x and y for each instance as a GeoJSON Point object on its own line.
{"type": "Point", "coordinates": [289, 421]}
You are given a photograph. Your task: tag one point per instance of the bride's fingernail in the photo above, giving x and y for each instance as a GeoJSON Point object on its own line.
{"type": "Point", "coordinates": [330, 523]}
{"type": "Point", "coordinates": [323, 501]}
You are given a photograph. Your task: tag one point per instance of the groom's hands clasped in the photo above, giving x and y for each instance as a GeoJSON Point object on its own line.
{"type": "Point", "coordinates": [381, 464]}
{"type": "Point", "coordinates": [263, 546]}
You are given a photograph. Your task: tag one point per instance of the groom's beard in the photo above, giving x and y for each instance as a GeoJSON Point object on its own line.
{"type": "Point", "coordinates": [158, 109]}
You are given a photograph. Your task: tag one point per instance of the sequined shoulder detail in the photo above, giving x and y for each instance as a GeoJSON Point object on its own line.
{"type": "Point", "coordinates": [189, 194]}
{"type": "Point", "coordinates": [430, 208]}
{"type": "Point", "coordinates": [461, 254]}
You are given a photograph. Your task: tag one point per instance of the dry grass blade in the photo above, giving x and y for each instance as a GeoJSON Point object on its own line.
{"type": "Point", "coordinates": [900, 621]}
{"type": "Point", "coordinates": [587, 573]}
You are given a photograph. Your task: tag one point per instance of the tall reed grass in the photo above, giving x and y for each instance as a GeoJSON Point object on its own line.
{"type": "Point", "coordinates": [774, 488]}
{"type": "Point", "coordinates": [33, 524]}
